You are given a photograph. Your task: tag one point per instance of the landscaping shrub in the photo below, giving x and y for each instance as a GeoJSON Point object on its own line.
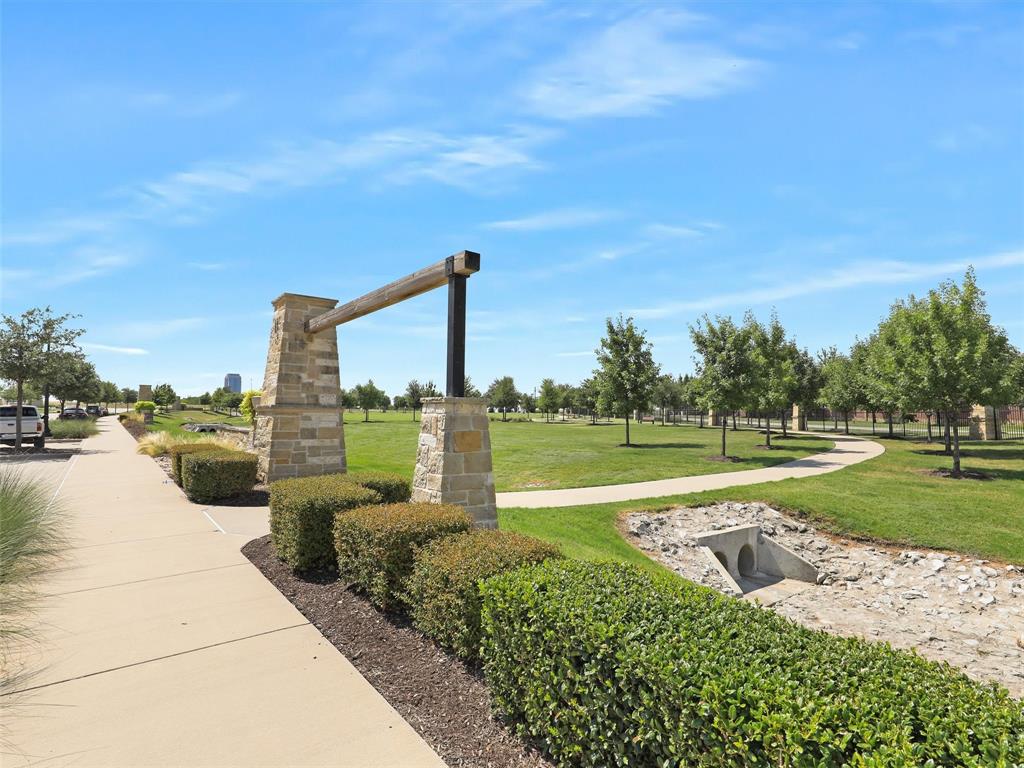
{"type": "Point", "coordinates": [212, 475]}
{"type": "Point", "coordinates": [182, 448]}
{"type": "Point", "coordinates": [145, 405]}
{"type": "Point", "coordinates": [603, 664]}
{"type": "Point", "coordinates": [375, 545]}
{"type": "Point", "coordinates": [302, 511]}
{"type": "Point", "coordinates": [77, 429]}
{"type": "Point", "coordinates": [393, 488]}
{"type": "Point", "coordinates": [444, 588]}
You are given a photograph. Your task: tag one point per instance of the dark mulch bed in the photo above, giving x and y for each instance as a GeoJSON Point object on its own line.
{"type": "Point", "coordinates": [726, 459]}
{"type": "Point", "coordinates": [966, 474]}
{"type": "Point", "coordinates": [443, 699]}
{"type": "Point", "coordinates": [135, 428]}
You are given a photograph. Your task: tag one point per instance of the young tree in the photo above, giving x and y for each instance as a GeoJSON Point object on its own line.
{"type": "Point", "coordinates": [774, 382]}
{"type": "Point", "coordinates": [469, 390]}
{"type": "Point", "coordinates": [26, 344]}
{"type": "Point", "coordinates": [368, 396]}
{"type": "Point", "coordinates": [667, 394]}
{"type": "Point", "coordinates": [528, 403]}
{"type": "Point", "coordinates": [548, 399]}
{"type": "Point", "coordinates": [502, 395]}
{"type": "Point", "coordinates": [414, 396]}
{"type": "Point", "coordinates": [109, 392]}
{"type": "Point", "coordinates": [808, 383]}
{"type": "Point", "coordinates": [840, 385]}
{"type": "Point", "coordinates": [129, 396]}
{"type": "Point", "coordinates": [76, 381]}
{"type": "Point", "coordinates": [723, 366]}
{"type": "Point", "coordinates": [164, 395]}
{"type": "Point", "coordinates": [566, 398]}
{"type": "Point", "coordinates": [957, 350]}
{"type": "Point", "coordinates": [627, 371]}
{"type": "Point", "coordinates": [399, 402]}
{"type": "Point", "coordinates": [587, 394]}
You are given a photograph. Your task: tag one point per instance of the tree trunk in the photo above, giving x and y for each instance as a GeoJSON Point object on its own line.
{"type": "Point", "coordinates": [46, 411]}
{"type": "Point", "coordinates": [846, 422]}
{"type": "Point", "coordinates": [504, 414]}
{"type": "Point", "coordinates": [366, 414]}
{"type": "Point", "coordinates": [17, 415]}
{"type": "Point", "coordinates": [725, 424]}
{"type": "Point", "coordinates": [949, 448]}
{"type": "Point", "coordinates": [956, 450]}
{"type": "Point", "coordinates": [785, 423]}
{"type": "Point", "coordinates": [888, 418]}
{"type": "Point", "coordinates": [929, 417]}
{"type": "Point", "coordinates": [627, 430]}
{"type": "Point", "coordinates": [768, 431]}
{"type": "Point", "coordinates": [734, 427]}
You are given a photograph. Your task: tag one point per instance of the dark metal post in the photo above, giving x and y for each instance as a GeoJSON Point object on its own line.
{"type": "Point", "coordinates": [456, 379]}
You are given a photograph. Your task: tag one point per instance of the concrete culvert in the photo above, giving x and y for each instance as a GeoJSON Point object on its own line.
{"type": "Point", "coordinates": [722, 559]}
{"type": "Point", "coordinates": [745, 561]}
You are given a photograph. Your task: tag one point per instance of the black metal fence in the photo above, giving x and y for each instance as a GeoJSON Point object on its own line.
{"type": "Point", "coordinates": [1009, 422]}
{"type": "Point", "coordinates": [882, 425]}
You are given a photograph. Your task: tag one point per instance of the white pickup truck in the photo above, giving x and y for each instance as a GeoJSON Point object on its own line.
{"type": "Point", "coordinates": [31, 425]}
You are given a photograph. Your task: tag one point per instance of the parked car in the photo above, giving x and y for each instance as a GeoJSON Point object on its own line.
{"type": "Point", "coordinates": [73, 413]}
{"type": "Point", "coordinates": [95, 410]}
{"type": "Point", "coordinates": [31, 425]}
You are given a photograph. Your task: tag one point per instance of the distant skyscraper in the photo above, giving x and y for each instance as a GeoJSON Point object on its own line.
{"type": "Point", "coordinates": [233, 382]}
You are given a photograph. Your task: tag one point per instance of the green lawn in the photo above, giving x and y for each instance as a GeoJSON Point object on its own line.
{"type": "Point", "coordinates": [531, 455]}
{"type": "Point", "coordinates": [172, 421]}
{"type": "Point", "coordinates": [891, 498]}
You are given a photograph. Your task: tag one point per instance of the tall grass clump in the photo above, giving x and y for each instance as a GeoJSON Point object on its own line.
{"type": "Point", "coordinates": [31, 541]}
{"type": "Point", "coordinates": [160, 443]}
{"type": "Point", "coordinates": [77, 429]}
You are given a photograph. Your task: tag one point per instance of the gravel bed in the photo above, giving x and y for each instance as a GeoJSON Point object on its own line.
{"type": "Point", "coordinates": [443, 699]}
{"type": "Point", "coordinates": [949, 607]}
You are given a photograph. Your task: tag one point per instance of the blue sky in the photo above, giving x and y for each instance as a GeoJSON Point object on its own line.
{"type": "Point", "coordinates": [169, 169]}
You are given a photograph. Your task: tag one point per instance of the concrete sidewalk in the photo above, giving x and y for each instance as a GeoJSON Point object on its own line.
{"type": "Point", "coordinates": [847, 451]}
{"type": "Point", "coordinates": [158, 643]}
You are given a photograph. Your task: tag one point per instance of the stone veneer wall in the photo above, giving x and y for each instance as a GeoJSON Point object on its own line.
{"type": "Point", "coordinates": [299, 429]}
{"type": "Point", "coordinates": [145, 392]}
{"type": "Point", "coordinates": [453, 458]}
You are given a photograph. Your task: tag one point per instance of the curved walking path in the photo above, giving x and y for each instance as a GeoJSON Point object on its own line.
{"type": "Point", "coordinates": [847, 451]}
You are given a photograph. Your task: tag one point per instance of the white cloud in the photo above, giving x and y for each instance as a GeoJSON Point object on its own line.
{"type": "Point", "coordinates": [87, 262]}
{"type": "Point", "coordinates": [633, 67]}
{"type": "Point", "coordinates": [115, 350]}
{"type": "Point", "coordinates": [850, 276]}
{"type": "Point", "coordinates": [562, 218]}
{"type": "Point", "coordinates": [402, 156]}
{"type": "Point", "coordinates": [671, 231]}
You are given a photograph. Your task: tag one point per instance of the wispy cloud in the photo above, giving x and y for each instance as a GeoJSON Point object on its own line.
{"type": "Point", "coordinates": [634, 67]}
{"type": "Point", "coordinates": [562, 218]}
{"type": "Point", "coordinates": [398, 157]}
{"type": "Point", "coordinates": [115, 350]}
{"type": "Point", "coordinates": [850, 276]}
{"type": "Point", "coordinates": [90, 261]}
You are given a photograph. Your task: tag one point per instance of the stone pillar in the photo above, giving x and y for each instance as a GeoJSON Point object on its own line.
{"type": "Point", "coordinates": [146, 392]}
{"type": "Point", "coordinates": [713, 420]}
{"type": "Point", "coordinates": [453, 460]}
{"type": "Point", "coordinates": [983, 423]}
{"type": "Point", "coordinates": [299, 428]}
{"type": "Point", "coordinates": [799, 421]}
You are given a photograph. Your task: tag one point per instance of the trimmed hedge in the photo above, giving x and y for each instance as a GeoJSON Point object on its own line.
{"type": "Point", "coordinates": [603, 664]}
{"type": "Point", "coordinates": [302, 513]}
{"type": "Point", "coordinates": [212, 475]}
{"type": "Point", "coordinates": [444, 588]}
{"type": "Point", "coordinates": [393, 488]}
{"type": "Point", "coordinates": [175, 452]}
{"type": "Point", "coordinates": [376, 545]}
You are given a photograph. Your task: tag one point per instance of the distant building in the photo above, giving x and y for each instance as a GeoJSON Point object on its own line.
{"type": "Point", "coordinates": [233, 382]}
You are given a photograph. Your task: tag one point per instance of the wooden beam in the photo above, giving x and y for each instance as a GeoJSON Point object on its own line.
{"type": "Point", "coordinates": [463, 263]}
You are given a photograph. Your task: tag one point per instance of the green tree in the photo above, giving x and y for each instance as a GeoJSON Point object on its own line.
{"type": "Point", "coordinates": [566, 398]}
{"type": "Point", "coordinates": [414, 396]}
{"type": "Point", "coordinates": [164, 395]}
{"type": "Point", "coordinates": [587, 394]}
{"type": "Point", "coordinates": [129, 396]}
{"type": "Point", "coordinates": [548, 399]}
{"type": "Point", "coordinates": [528, 403]}
{"type": "Point", "coordinates": [368, 396]}
{"type": "Point", "coordinates": [840, 385]}
{"type": "Point", "coordinates": [667, 395]}
{"type": "Point", "coordinates": [77, 381]}
{"type": "Point", "coordinates": [723, 366]}
{"type": "Point", "coordinates": [952, 346]}
{"type": "Point", "coordinates": [246, 406]}
{"type": "Point", "coordinates": [469, 390]}
{"type": "Point", "coordinates": [808, 383]}
{"type": "Point", "coordinates": [26, 346]}
{"type": "Point", "coordinates": [502, 395]}
{"type": "Point", "coordinates": [399, 402]}
{"type": "Point", "coordinates": [773, 380]}
{"type": "Point", "coordinates": [627, 371]}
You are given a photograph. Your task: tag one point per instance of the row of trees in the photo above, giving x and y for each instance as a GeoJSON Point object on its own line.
{"type": "Point", "coordinates": [40, 357]}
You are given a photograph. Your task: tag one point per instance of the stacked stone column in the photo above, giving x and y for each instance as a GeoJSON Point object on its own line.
{"type": "Point", "coordinates": [453, 459]}
{"type": "Point", "coordinates": [299, 428]}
